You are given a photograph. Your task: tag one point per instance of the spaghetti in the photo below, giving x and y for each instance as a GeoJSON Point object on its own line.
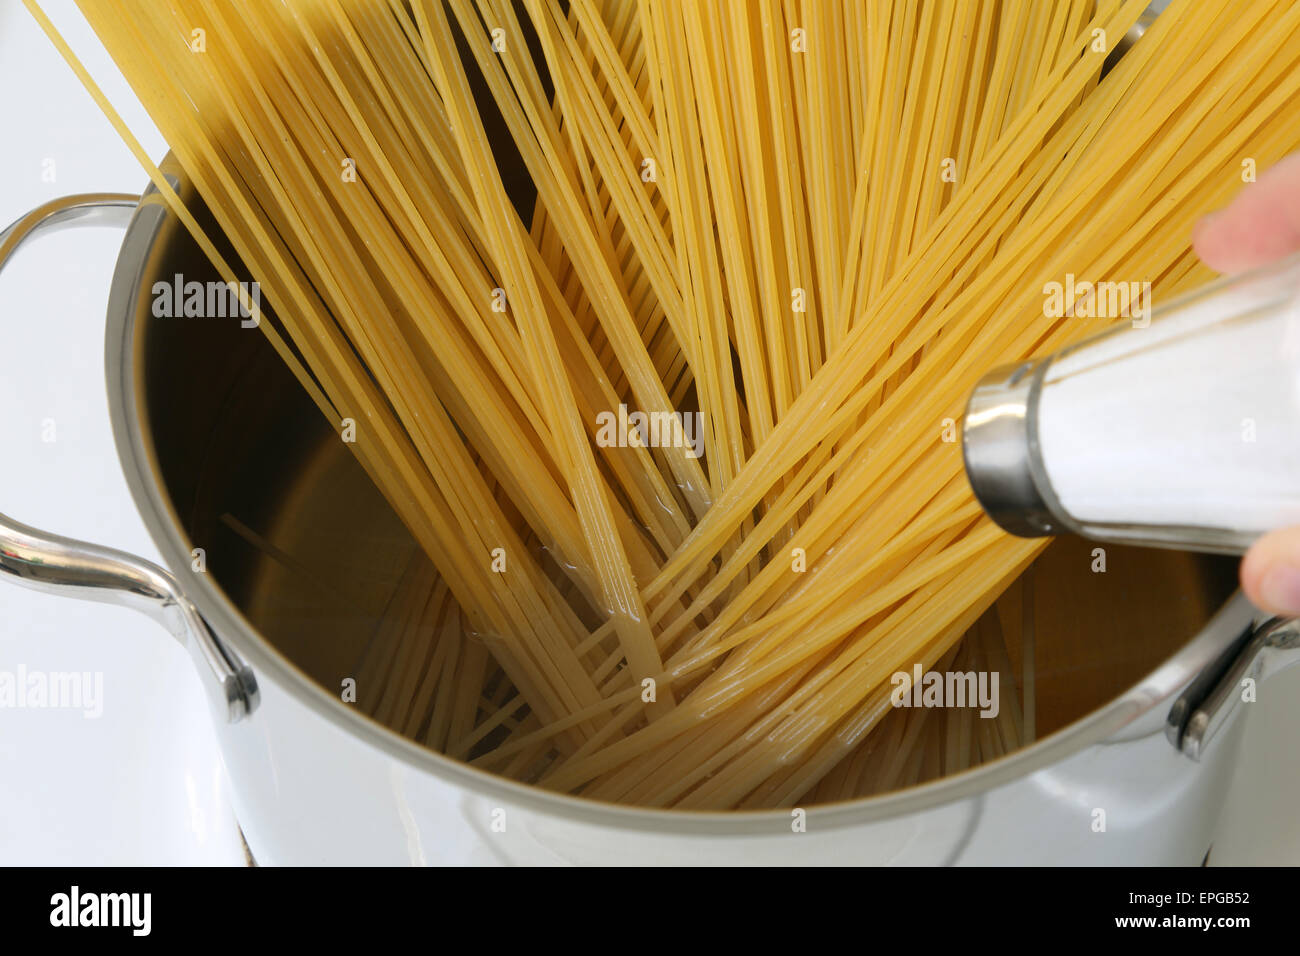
{"type": "Point", "coordinates": [808, 224]}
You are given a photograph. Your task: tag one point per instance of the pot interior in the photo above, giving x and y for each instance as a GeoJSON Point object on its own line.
{"type": "Point", "coordinates": [301, 542]}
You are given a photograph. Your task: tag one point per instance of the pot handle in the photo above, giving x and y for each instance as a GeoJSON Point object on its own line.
{"type": "Point", "coordinates": [1205, 706]}
{"type": "Point", "coordinates": [47, 562]}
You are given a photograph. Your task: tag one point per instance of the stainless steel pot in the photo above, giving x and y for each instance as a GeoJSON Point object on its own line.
{"type": "Point", "coordinates": [280, 550]}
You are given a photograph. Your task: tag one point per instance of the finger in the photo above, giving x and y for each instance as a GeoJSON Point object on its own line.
{"type": "Point", "coordinates": [1270, 572]}
{"type": "Point", "coordinates": [1259, 226]}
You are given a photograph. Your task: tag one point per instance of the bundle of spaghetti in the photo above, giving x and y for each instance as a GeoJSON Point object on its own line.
{"type": "Point", "coordinates": [806, 226]}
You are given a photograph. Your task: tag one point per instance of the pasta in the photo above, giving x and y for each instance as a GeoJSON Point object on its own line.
{"type": "Point", "coordinates": [501, 238]}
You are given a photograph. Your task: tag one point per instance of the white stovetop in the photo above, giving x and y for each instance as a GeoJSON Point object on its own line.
{"type": "Point", "coordinates": [143, 783]}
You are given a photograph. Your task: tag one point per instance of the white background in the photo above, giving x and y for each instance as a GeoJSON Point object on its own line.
{"type": "Point", "coordinates": [143, 783]}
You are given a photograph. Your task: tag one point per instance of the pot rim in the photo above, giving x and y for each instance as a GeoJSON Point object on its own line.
{"type": "Point", "coordinates": [140, 466]}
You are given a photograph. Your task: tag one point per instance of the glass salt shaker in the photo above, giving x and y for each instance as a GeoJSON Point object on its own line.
{"type": "Point", "coordinates": [1179, 432]}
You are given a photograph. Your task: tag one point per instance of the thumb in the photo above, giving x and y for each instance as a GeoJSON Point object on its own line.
{"type": "Point", "coordinates": [1260, 226]}
{"type": "Point", "coordinates": [1270, 572]}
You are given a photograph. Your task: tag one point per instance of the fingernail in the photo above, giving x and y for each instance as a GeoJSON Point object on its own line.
{"type": "Point", "coordinates": [1280, 589]}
